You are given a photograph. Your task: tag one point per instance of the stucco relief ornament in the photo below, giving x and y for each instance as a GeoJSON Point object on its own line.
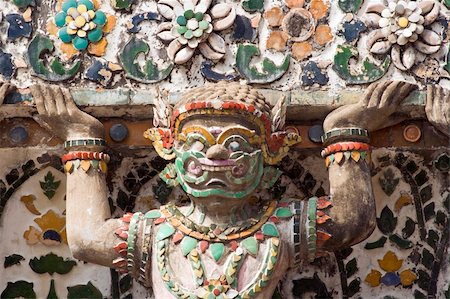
{"type": "Point", "coordinates": [82, 27]}
{"type": "Point", "coordinates": [406, 29]}
{"type": "Point", "coordinates": [193, 25]}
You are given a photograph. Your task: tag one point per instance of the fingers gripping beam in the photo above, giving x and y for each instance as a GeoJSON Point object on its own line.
{"type": "Point", "coordinates": [369, 92]}
{"type": "Point", "coordinates": [390, 95]}
{"type": "Point", "coordinates": [59, 99]}
{"type": "Point", "coordinates": [49, 100]}
{"type": "Point", "coordinates": [68, 100]}
{"type": "Point", "coordinates": [404, 92]}
{"type": "Point", "coordinates": [376, 95]}
{"type": "Point", "coordinates": [39, 99]}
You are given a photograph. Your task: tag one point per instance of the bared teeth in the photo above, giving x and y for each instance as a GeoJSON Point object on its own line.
{"type": "Point", "coordinates": [216, 168]}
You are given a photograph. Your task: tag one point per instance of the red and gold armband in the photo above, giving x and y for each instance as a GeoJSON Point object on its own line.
{"type": "Point", "coordinates": [86, 161]}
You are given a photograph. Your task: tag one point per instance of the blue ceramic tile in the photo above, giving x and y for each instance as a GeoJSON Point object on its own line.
{"type": "Point", "coordinates": [211, 75]}
{"type": "Point", "coordinates": [353, 29]}
{"type": "Point", "coordinates": [17, 27]}
{"type": "Point", "coordinates": [7, 67]}
{"type": "Point", "coordinates": [313, 74]}
{"type": "Point", "coordinates": [138, 19]}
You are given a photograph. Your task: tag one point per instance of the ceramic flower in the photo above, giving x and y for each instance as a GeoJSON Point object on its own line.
{"type": "Point", "coordinates": [405, 28]}
{"type": "Point", "coordinates": [82, 26]}
{"type": "Point", "coordinates": [51, 230]}
{"type": "Point", "coordinates": [193, 25]}
{"type": "Point", "coordinates": [391, 264]}
{"type": "Point", "coordinates": [304, 25]}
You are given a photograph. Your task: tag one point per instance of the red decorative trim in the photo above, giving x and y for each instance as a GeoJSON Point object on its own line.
{"type": "Point", "coordinates": [344, 146]}
{"type": "Point", "coordinates": [85, 156]}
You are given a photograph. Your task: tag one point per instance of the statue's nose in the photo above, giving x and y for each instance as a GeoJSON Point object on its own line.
{"type": "Point", "coordinates": [217, 152]}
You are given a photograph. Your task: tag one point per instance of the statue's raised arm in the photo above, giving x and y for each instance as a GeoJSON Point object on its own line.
{"type": "Point", "coordinates": [87, 209]}
{"type": "Point", "coordinates": [347, 216]}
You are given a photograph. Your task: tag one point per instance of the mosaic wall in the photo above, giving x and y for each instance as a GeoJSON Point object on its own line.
{"type": "Point", "coordinates": [318, 52]}
{"type": "Point", "coordinates": [406, 256]}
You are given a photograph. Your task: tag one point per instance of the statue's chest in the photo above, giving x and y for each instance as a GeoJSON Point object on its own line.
{"type": "Point", "coordinates": [191, 264]}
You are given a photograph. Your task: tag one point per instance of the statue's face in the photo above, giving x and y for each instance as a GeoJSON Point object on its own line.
{"type": "Point", "coordinates": [218, 156]}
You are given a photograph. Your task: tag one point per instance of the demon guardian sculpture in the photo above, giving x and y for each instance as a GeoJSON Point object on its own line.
{"type": "Point", "coordinates": [222, 142]}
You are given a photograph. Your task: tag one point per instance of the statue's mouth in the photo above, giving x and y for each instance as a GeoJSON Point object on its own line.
{"type": "Point", "coordinates": [216, 165]}
{"type": "Point", "coordinates": [214, 183]}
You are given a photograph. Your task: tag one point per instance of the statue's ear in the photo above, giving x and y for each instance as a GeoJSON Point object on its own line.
{"type": "Point", "coordinates": [162, 140]}
{"type": "Point", "coordinates": [161, 135]}
{"type": "Point", "coordinates": [279, 115]}
{"type": "Point", "coordinates": [278, 144]}
{"type": "Point", "coordinates": [162, 113]}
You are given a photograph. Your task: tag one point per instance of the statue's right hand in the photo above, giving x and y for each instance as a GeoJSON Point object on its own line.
{"type": "Point", "coordinates": [61, 117]}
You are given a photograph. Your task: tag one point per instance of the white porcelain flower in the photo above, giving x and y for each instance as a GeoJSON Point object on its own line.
{"type": "Point", "coordinates": [404, 27]}
{"type": "Point", "coordinates": [193, 25]}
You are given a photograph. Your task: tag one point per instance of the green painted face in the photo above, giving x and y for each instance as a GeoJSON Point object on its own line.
{"type": "Point", "coordinates": [218, 164]}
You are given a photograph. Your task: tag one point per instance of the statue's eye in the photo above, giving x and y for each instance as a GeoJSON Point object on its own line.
{"type": "Point", "coordinates": [234, 146]}
{"type": "Point", "coordinates": [197, 146]}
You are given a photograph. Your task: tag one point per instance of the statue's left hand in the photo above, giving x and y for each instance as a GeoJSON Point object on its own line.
{"type": "Point", "coordinates": [437, 108]}
{"type": "Point", "coordinates": [375, 110]}
{"type": "Point", "coordinates": [60, 116]}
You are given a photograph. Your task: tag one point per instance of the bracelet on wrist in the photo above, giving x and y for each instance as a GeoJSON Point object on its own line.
{"type": "Point", "coordinates": [85, 142]}
{"type": "Point", "coordinates": [344, 146]}
{"type": "Point", "coordinates": [340, 152]}
{"type": "Point", "coordinates": [81, 155]}
{"type": "Point", "coordinates": [353, 132]}
{"type": "Point", "coordinates": [86, 161]}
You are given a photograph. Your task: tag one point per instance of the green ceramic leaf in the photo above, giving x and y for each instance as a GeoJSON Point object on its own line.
{"type": "Point", "coordinates": [424, 279]}
{"type": "Point", "coordinates": [165, 230]}
{"type": "Point", "coordinates": [187, 244]}
{"type": "Point", "coordinates": [351, 267]}
{"type": "Point", "coordinates": [283, 213]}
{"type": "Point", "coordinates": [151, 73]}
{"type": "Point", "coordinates": [13, 259]}
{"type": "Point", "coordinates": [377, 244]}
{"type": "Point", "coordinates": [49, 185]}
{"type": "Point", "coordinates": [428, 211]}
{"type": "Point", "coordinates": [51, 263]}
{"type": "Point", "coordinates": [369, 72]}
{"type": "Point", "coordinates": [388, 181]}
{"type": "Point", "coordinates": [432, 238]}
{"type": "Point", "coordinates": [37, 48]}
{"type": "Point", "coordinates": [84, 291]}
{"type": "Point", "coordinates": [253, 5]}
{"type": "Point", "coordinates": [153, 214]}
{"type": "Point", "coordinates": [269, 229]}
{"type": "Point", "coordinates": [125, 283]}
{"type": "Point", "coordinates": [403, 244]}
{"type": "Point", "coordinates": [447, 3]}
{"type": "Point", "coordinates": [121, 4]}
{"type": "Point", "coordinates": [420, 295]}
{"type": "Point", "coordinates": [23, 3]}
{"type": "Point", "coordinates": [52, 292]}
{"type": "Point", "coordinates": [427, 259]}
{"type": "Point", "coordinates": [387, 222]}
{"type": "Point", "coordinates": [217, 250]}
{"type": "Point", "coordinates": [350, 5]}
{"type": "Point", "coordinates": [271, 72]}
{"type": "Point", "coordinates": [19, 289]}
{"type": "Point", "coordinates": [251, 245]}
{"type": "Point", "coordinates": [410, 227]}
{"type": "Point", "coordinates": [353, 287]}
